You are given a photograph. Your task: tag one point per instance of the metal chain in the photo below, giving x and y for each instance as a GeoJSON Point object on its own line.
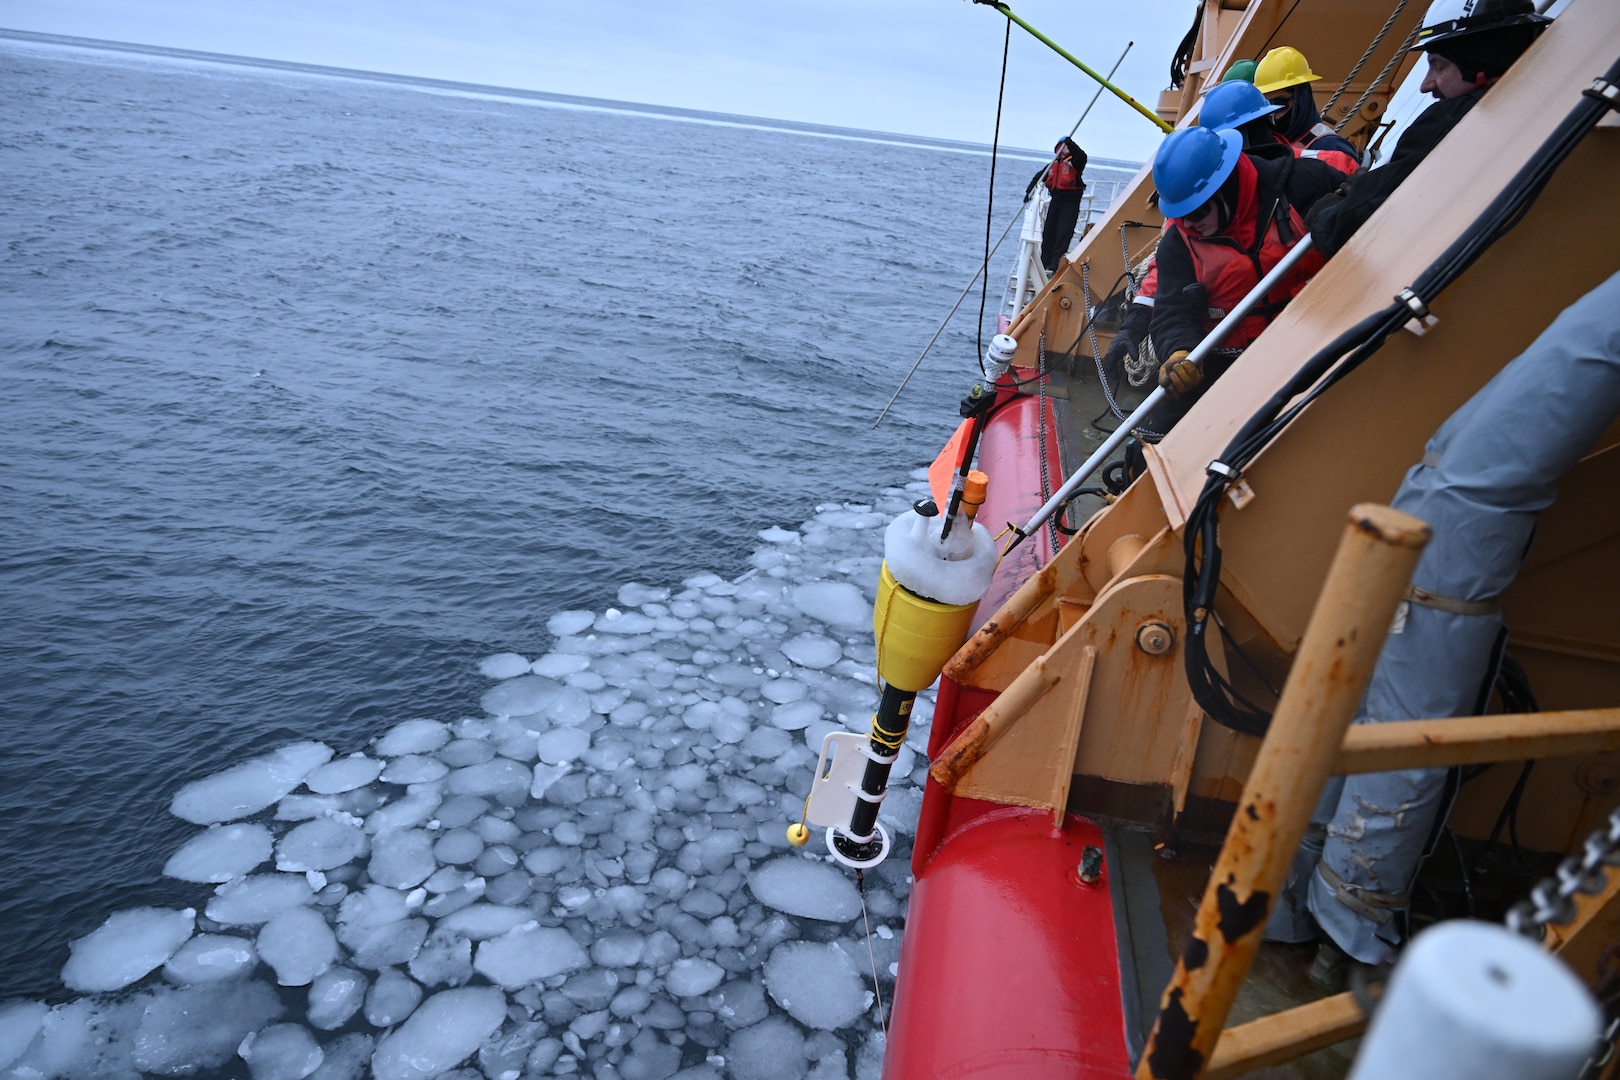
{"type": "Point", "coordinates": [1355, 110]}
{"type": "Point", "coordinates": [1389, 22]}
{"type": "Point", "coordinates": [1040, 433]}
{"type": "Point", "coordinates": [1553, 900]}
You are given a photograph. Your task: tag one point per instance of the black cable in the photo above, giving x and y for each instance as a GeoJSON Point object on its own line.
{"type": "Point", "coordinates": [989, 211]}
{"type": "Point", "coordinates": [1201, 538]}
{"type": "Point", "coordinates": [1184, 51]}
{"type": "Point", "coordinates": [1261, 52]}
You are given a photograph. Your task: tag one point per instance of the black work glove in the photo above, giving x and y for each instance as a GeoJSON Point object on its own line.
{"type": "Point", "coordinates": [1332, 198]}
{"type": "Point", "coordinates": [1123, 350]}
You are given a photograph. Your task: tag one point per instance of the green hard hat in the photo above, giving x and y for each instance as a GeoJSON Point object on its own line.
{"type": "Point", "coordinates": [1243, 69]}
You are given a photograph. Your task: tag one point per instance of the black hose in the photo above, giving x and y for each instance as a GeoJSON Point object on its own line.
{"type": "Point", "coordinates": [1201, 578]}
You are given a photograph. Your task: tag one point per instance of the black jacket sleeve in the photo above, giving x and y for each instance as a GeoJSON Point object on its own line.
{"type": "Point", "coordinates": [1334, 226]}
{"type": "Point", "coordinates": [1307, 180]}
{"type": "Point", "coordinates": [1178, 319]}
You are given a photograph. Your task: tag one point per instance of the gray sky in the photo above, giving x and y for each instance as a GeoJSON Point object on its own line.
{"type": "Point", "coordinates": [923, 67]}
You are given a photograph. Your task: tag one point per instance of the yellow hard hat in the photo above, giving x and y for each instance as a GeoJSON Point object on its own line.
{"type": "Point", "coordinates": [1281, 68]}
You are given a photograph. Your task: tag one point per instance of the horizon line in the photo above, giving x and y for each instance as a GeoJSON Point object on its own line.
{"type": "Point", "coordinates": [671, 112]}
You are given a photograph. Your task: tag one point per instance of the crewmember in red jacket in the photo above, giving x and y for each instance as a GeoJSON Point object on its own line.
{"type": "Point", "coordinates": [1234, 217]}
{"type": "Point", "coordinates": [1066, 186]}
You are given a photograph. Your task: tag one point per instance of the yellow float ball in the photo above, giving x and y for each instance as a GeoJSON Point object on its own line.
{"type": "Point", "coordinates": [798, 834]}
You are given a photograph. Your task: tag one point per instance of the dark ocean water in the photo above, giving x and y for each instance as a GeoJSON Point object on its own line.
{"type": "Point", "coordinates": [314, 391]}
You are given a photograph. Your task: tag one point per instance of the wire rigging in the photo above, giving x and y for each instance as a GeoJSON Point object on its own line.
{"type": "Point", "coordinates": [989, 212]}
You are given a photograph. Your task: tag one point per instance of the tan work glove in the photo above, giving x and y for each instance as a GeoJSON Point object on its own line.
{"type": "Point", "coordinates": [1179, 375]}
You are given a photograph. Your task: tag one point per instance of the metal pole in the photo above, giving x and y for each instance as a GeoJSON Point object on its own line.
{"type": "Point", "coordinates": [1129, 45]}
{"type": "Point", "coordinates": [1211, 340]}
{"type": "Point", "coordinates": [1369, 574]}
{"type": "Point", "coordinates": [969, 286]}
{"type": "Point", "coordinates": [1055, 47]}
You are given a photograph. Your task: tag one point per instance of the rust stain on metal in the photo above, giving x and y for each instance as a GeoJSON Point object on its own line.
{"type": "Point", "coordinates": [1237, 919]}
{"type": "Point", "coordinates": [1172, 1056]}
{"type": "Point", "coordinates": [1196, 954]}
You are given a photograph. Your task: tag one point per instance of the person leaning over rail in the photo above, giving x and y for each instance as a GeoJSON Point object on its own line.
{"type": "Point", "coordinates": [1470, 45]}
{"type": "Point", "coordinates": [1066, 187]}
{"type": "Point", "coordinates": [1284, 76]}
{"type": "Point", "coordinates": [1486, 475]}
{"type": "Point", "coordinates": [1233, 216]}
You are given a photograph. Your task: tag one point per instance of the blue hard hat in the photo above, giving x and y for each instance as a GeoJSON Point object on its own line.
{"type": "Point", "coordinates": [1191, 165]}
{"type": "Point", "coordinates": [1233, 104]}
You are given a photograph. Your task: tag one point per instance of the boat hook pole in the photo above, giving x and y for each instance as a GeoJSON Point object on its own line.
{"type": "Point", "coordinates": [1061, 51]}
{"type": "Point", "coordinates": [974, 279]}
{"type": "Point", "coordinates": [1130, 424]}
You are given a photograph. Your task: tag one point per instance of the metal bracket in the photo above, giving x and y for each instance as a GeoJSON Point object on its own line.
{"type": "Point", "coordinates": [836, 788]}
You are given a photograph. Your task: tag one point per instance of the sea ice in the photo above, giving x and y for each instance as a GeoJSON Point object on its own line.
{"type": "Point", "coordinates": [200, 1028]}
{"type": "Point", "coordinates": [346, 1057]}
{"type": "Point", "coordinates": [772, 1049]}
{"type": "Point", "coordinates": [445, 959]}
{"type": "Point", "coordinates": [249, 787]}
{"type": "Point", "coordinates": [528, 954]}
{"type": "Point", "coordinates": [298, 944]}
{"type": "Point", "coordinates": [568, 623]}
{"type": "Point", "coordinates": [401, 858]}
{"type": "Point", "coordinates": [502, 666]}
{"type": "Point", "coordinates": [281, 1052]}
{"type": "Point", "coordinates": [563, 744]}
{"type": "Point", "coordinates": [444, 1031]}
{"type": "Point", "coordinates": [796, 715]}
{"type": "Point", "coordinates": [210, 958]}
{"type": "Point", "coordinates": [391, 999]}
{"type": "Point", "coordinates": [256, 899]}
{"type": "Point", "coordinates": [836, 603]}
{"type": "Point", "coordinates": [126, 947]}
{"type": "Point", "coordinates": [413, 737]}
{"type": "Point", "coordinates": [798, 886]}
{"type": "Point", "coordinates": [692, 976]}
{"type": "Point", "coordinates": [812, 650]}
{"type": "Point", "coordinates": [525, 695]}
{"type": "Point", "coordinates": [482, 921]}
{"type": "Point", "coordinates": [20, 1024]}
{"type": "Point", "coordinates": [220, 853]}
{"type": "Point", "coordinates": [322, 844]}
{"type": "Point", "coordinates": [344, 774]}
{"type": "Point", "coordinates": [502, 779]}
{"type": "Point", "coordinates": [335, 995]}
{"type": "Point", "coordinates": [414, 769]}
{"type": "Point", "coordinates": [819, 985]}
{"type": "Point", "coordinates": [783, 691]}
{"type": "Point", "coordinates": [560, 665]}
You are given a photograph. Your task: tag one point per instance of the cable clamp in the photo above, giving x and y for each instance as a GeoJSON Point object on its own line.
{"type": "Point", "coordinates": [1421, 321]}
{"type": "Point", "coordinates": [1221, 468]}
{"type": "Point", "coordinates": [1412, 300]}
{"type": "Point", "coordinates": [1605, 91]}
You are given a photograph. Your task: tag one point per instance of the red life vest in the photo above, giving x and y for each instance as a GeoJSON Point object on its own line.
{"type": "Point", "coordinates": [1337, 159]}
{"type": "Point", "coordinates": [1231, 263]}
{"type": "Point", "coordinates": [1062, 176]}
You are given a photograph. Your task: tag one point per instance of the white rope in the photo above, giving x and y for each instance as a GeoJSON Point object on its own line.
{"type": "Point", "coordinates": [876, 987]}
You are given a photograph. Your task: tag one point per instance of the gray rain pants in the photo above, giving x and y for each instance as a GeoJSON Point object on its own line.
{"type": "Point", "coordinates": [1485, 476]}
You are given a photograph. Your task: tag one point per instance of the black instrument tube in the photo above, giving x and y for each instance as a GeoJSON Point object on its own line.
{"type": "Point", "coordinates": [888, 733]}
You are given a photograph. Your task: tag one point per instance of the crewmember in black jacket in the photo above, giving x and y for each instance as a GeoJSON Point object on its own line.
{"type": "Point", "coordinates": [1467, 54]}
